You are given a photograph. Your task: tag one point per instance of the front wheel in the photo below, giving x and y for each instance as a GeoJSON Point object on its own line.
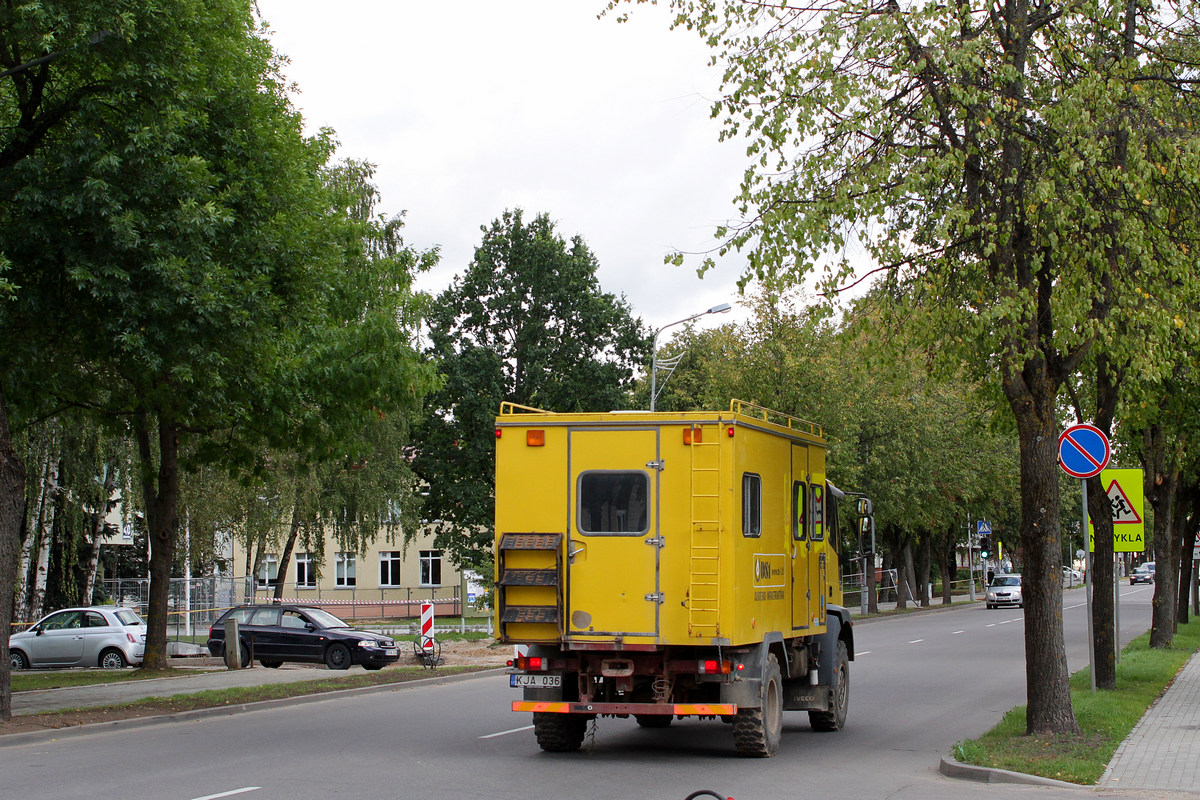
{"type": "Point", "coordinates": [757, 731]}
{"type": "Point", "coordinates": [17, 660]}
{"type": "Point", "coordinates": [337, 656]}
{"type": "Point", "coordinates": [112, 659]}
{"type": "Point", "coordinates": [835, 718]}
{"type": "Point", "coordinates": [559, 733]}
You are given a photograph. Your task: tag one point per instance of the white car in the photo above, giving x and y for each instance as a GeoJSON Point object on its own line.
{"type": "Point", "coordinates": [1072, 576]}
{"type": "Point", "coordinates": [1005, 590]}
{"type": "Point", "coordinates": [97, 636]}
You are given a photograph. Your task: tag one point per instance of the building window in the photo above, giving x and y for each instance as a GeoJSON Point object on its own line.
{"type": "Point", "coordinates": [751, 504]}
{"type": "Point", "coordinates": [268, 570]}
{"type": "Point", "coordinates": [345, 569]}
{"type": "Point", "coordinates": [389, 568]}
{"type": "Point", "coordinates": [306, 571]}
{"type": "Point", "coordinates": [431, 567]}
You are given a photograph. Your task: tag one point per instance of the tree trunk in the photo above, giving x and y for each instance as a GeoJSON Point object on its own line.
{"type": "Point", "coordinates": [1160, 479]}
{"type": "Point", "coordinates": [110, 485]}
{"type": "Point", "coordinates": [293, 534]}
{"type": "Point", "coordinates": [909, 572]}
{"type": "Point", "coordinates": [948, 566]}
{"type": "Point", "coordinates": [924, 561]}
{"type": "Point", "coordinates": [160, 489]}
{"type": "Point", "coordinates": [45, 526]}
{"type": "Point", "coordinates": [12, 511]}
{"type": "Point", "coordinates": [1104, 635]}
{"type": "Point", "coordinates": [1032, 397]}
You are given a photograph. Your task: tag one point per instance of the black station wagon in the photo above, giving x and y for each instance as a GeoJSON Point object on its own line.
{"type": "Point", "coordinates": [273, 634]}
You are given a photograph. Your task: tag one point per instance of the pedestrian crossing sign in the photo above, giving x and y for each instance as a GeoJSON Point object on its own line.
{"type": "Point", "coordinates": [1127, 500]}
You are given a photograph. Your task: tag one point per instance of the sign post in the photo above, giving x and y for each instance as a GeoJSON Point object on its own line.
{"type": "Point", "coordinates": [1126, 497]}
{"type": "Point", "coordinates": [1083, 451]}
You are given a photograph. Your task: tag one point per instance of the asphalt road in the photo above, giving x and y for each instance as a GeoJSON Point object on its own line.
{"type": "Point", "coordinates": [920, 683]}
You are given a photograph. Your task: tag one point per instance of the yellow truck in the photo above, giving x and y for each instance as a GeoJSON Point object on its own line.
{"type": "Point", "coordinates": [663, 565]}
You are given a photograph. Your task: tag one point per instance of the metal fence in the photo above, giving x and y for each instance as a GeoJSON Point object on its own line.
{"type": "Point", "coordinates": [195, 603]}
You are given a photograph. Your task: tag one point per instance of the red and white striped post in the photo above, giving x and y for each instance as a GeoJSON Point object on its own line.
{"type": "Point", "coordinates": [427, 626]}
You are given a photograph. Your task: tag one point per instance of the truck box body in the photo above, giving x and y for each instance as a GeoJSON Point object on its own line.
{"type": "Point", "coordinates": [631, 546]}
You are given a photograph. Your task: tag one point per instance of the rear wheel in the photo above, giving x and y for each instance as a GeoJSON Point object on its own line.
{"type": "Point", "coordinates": [337, 656]}
{"type": "Point", "coordinates": [559, 733]}
{"type": "Point", "coordinates": [757, 731]}
{"type": "Point", "coordinates": [835, 719]}
{"type": "Point", "coordinates": [112, 659]}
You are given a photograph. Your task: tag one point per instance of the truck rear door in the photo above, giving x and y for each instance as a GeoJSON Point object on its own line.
{"type": "Point", "coordinates": [613, 546]}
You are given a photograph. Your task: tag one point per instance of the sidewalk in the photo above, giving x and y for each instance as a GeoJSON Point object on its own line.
{"type": "Point", "coordinates": [1163, 750]}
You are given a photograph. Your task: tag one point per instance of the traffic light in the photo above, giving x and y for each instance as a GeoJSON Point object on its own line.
{"type": "Point", "coordinates": [985, 547]}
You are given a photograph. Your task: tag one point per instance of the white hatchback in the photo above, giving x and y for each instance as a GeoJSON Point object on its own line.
{"type": "Point", "coordinates": [97, 636]}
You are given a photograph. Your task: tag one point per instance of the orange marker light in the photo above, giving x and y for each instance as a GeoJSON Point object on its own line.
{"type": "Point", "coordinates": [535, 438]}
{"type": "Point", "coordinates": [692, 436]}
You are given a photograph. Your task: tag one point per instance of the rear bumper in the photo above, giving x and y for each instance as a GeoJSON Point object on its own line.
{"type": "Point", "coordinates": [625, 709]}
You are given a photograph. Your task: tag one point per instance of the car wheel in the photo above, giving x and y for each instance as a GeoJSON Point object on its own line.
{"type": "Point", "coordinates": [337, 656]}
{"type": "Point", "coordinates": [113, 658]}
{"type": "Point", "coordinates": [17, 660]}
{"type": "Point", "coordinates": [270, 663]}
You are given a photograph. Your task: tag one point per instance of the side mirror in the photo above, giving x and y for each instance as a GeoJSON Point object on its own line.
{"type": "Point", "coordinates": [864, 507]}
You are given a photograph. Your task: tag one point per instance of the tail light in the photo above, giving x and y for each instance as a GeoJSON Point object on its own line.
{"type": "Point", "coordinates": [531, 663]}
{"type": "Point", "coordinates": [713, 667]}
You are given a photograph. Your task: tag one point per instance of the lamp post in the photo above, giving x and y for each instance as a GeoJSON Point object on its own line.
{"type": "Point", "coordinates": [674, 360]}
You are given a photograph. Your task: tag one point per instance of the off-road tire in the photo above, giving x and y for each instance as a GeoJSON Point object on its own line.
{"type": "Point", "coordinates": [757, 731]}
{"type": "Point", "coordinates": [559, 733]}
{"type": "Point", "coordinates": [835, 720]}
{"type": "Point", "coordinates": [654, 720]}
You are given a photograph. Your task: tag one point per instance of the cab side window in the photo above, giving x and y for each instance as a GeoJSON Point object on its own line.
{"type": "Point", "coordinates": [818, 513]}
{"type": "Point", "coordinates": [799, 517]}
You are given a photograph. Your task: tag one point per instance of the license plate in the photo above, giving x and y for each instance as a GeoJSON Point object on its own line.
{"type": "Point", "coordinates": [535, 681]}
{"type": "Point", "coordinates": [390, 651]}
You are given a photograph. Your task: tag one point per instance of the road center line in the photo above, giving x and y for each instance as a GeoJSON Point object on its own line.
{"type": "Point", "coordinates": [494, 735]}
{"type": "Point", "coordinates": [230, 793]}
{"type": "Point", "coordinates": [916, 641]}
{"type": "Point", "coordinates": [956, 633]}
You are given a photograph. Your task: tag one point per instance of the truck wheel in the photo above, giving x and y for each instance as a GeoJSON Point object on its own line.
{"type": "Point", "coordinates": [757, 731]}
{"type": "Point", "coordinates": [653, 720]}
{"type": "Point", "coordinates": [840, 690]}
{"type": "Point", "coordinates": [559, 733]}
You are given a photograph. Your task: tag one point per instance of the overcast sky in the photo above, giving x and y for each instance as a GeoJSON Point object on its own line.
{"type": "Point", "coordinates": [475, 106]}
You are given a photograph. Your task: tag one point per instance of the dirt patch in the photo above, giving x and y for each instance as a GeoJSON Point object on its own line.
{"type": "Point", "coordinates": [455, 654]}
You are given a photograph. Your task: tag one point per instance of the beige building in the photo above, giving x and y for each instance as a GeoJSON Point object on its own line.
{"type": "Point", "coordinates": [388, 578]}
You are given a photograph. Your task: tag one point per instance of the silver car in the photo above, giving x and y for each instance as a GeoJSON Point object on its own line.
{"type": "Point", "coordinates": [97, 636]}
{"type": "Point", "coordinates": [1005, 590]}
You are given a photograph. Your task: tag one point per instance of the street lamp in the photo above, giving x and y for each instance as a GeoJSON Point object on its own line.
{"type": "Point", "coordinates": [673, 361]}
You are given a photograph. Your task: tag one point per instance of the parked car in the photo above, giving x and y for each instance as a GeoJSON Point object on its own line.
{"type": "Point", "coordinates": [1005, 590]}
{"type": "Point", "coordinates": [276, 633]}
{"type": "Point", "coordinates": [1142, 574]}
{"type": "Point", "coordinates": [96, 636]}
{"type": "Point", "coordinates": [1072, 576]}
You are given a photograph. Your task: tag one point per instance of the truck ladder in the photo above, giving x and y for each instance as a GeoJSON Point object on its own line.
{"type": "Point", "coordinates": [704, 588]}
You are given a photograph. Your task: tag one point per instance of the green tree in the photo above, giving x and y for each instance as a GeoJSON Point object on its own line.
{"type": "Point", "coordinates": [1012, 167]}
{"type": "Point", "coordinates": [526, 323]}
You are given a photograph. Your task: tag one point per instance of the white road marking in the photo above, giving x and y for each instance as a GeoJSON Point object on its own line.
{"type": "Point", "coordinates": [505, 733]}
{"type": "Point", "coordinates": [229, 793]}
{"type": "Point", "coordinates": [992, 624]}
{"type": "Point", "coordinates": [916, 641]}
{"type": "Point", "coordinates": [862, 653]}
{"type": "Point", "coordinates": [956, 633]}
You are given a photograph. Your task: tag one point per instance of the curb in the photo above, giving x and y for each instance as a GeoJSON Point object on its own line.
{"type": "Point", "coordinates": [953, 768]}
{"type": "Point", "coordinates": [33, 737]}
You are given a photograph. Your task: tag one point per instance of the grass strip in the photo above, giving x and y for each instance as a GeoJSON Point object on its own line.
{"type": "Point", "coordinates": [218, 698]}
{"type": "Point", "coordinates": [1105, 717]}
